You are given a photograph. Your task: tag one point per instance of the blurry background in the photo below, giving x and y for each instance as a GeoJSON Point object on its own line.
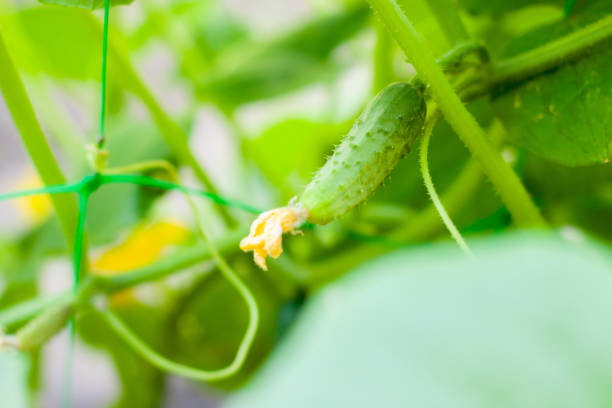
{"type": "Point", "coordinates": [65, 96]}
{"type": "Point", "coordinates": [263, 89]}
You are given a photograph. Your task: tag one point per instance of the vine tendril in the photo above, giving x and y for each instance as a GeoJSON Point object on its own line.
{"type": "Point", "coordinates": [431, 190]}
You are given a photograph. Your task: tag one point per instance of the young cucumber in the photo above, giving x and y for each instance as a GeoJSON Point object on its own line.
{"type": "Point", "coordinates": [43, 327]}
{"type": "Point", "coordinates": [383, 134]}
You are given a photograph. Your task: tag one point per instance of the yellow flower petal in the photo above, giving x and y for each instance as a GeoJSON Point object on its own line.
{"type": "Point", "coordinates": [266, 234]}
{"type": "Point", "coordinates": [35, 208]}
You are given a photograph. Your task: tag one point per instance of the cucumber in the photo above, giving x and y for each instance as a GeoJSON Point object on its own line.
{"type": "Point", "coordinates": [43, 327]}
{"type": "Point", "coordinates": [381, 136]}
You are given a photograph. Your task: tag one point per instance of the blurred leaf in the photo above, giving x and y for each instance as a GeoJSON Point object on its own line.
{"type": "Point", "coordinates": [563, 115]}
{"type": "Point", "coordinates": [571, 195]}
{"type": "Point", "coordinates": [208, 325]}
{"type": "Point", "coordinates": [115, 208]}
{"type": "Point", "coordinates": [14, 371]}
{"type": "Point", "coordinates": [142, 385]}
{"type": "Point", "coordinates": [256, 72]}
{"type": "Point", "coordinates": [63, 42]}
{"type": "Point", "coordinates": [289, 152]}
{"type": "Point", "coordinates": [215, 29]}
{"type": "Point", "coordinates": [24, 258]}
{"type": "Point", "coordinates": [557, 182]}
{"type": "Point", "coordinates": [524, 324]}
{"type": "Point", "coordinates": [496, 7]}
{"type": "Point", "coordinates": [197, 30]}
{"type": "Point", "coordinates": [319, 38]}
{"type": "Point", "coordinates": [87, 4]}
{"type": "Point", "coordinates": [266, 76]}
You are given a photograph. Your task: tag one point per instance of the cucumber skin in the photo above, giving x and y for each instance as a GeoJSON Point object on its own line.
{"type": "Point", "coordinates": [381, 136]}
{"type": "Point", "coordinates": [43, 327]}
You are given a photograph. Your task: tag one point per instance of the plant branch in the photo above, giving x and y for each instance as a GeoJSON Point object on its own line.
{"type": "Point", "coordinates": [431, 190]}
{"type": "Point", "coordinates": [181, 259]}
{"type": "Point", "coordinates": [173, 134]}
{"type": "Point", "coordinates": [512, 192]}
{"type": "Point", "coordinates": [20, 107]}
{"type": "Point", "coordinates": [552, 53]}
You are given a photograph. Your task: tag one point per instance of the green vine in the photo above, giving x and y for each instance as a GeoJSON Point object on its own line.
{"type": "Point", "coordinates": [435, 199]}
{"type": "Point", "coordinates": [506, 182]}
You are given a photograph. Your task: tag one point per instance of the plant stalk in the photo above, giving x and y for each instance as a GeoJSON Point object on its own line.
{"type": "Point", "coordinates": [511, 190]}
{"type": "Point", "coordinates": [35, 142]}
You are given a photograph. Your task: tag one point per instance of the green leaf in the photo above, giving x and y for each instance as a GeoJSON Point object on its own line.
{"type": "Point", "coordinates": [496, 7]}
{"type": "Point", "coordinates": [115, 208]}
{"type": "Point", "coordinates": [256, 72]}
{"type": "Point", "coordinates": [14, 371]}
{"type": "Point", "coordinates": [524, 324]}
{"type": "Point", "coordinates": [289, 152]}
{"type": "Point", "coordinates": [142, 385]}
{"type": "Point", "coordinates": [564, 115]}
{"type": "Point", "coordinates": [62, 42]}
{"type": "Point", "coordinates": [87, 4]}
{"type": "Point", "coordinates": [208, 324]}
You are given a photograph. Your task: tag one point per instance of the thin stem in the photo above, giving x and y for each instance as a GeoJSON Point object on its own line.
{"type": "Point", "coordinates": [189, 372]}
{"type": "Point", "coordinates": [29, 308]}
{"type": "Point", "coordinates": [69, 368]}
{"type": "Point", "coordinates": [424, 225]}
{"type": "Point", "coordinates": [185, 258]}
{"type": "Point", "coordinates": [102, 139]}
{"type": "Point", "coordinates": [449, 21]}
{"type": "Point", "coordinates": [146, 166]}
{"type": "Point", "coordinates": [161, 362]}
{"type": "Point", "coordinates": [383, 58]}
{"type": "Point", "coordinates": [512, 192]}
{"type": "Point", "coordinates": [77, 265]}
{"type": "Point", "coordinates": [59, 189]}
{"type": "Point", "coordinates": [77, 259]}
{"type": "Point", "coordinates": [424, 164]}
{"type": "Point", "coordinates": [552, 53]}
{"type": "Point", "coordinates": [172, 133]}
{"type": "Point", "coordinates": [20, 107]}
{"type": "Point", "coordinates": [166, 185]}
{"type": "Point", "coordinates": [227, 245]}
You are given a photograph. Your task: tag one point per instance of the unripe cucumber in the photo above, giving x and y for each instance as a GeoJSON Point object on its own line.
{"type": "Point", "coordinates": [383, 134]}
{"type": "Point", "coordinates": [43, 327]}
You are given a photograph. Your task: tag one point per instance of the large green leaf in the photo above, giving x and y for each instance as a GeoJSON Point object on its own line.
{"type": "Point", "coordinates": [87, 4]}
{"type": "Point", "coordinates": [208, 324]}
{"type": "Point", "coordinates": [524, 324]}
{"type": "Point", "coordinates": [14, 368]}
{"type": "Point", "coordinates": [564, 115]}
{"type": "Point", "coordinates": [62, 42]}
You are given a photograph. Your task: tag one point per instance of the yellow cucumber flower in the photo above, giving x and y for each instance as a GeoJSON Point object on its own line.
{"type": "Point", "coordinates": [266, 235]}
